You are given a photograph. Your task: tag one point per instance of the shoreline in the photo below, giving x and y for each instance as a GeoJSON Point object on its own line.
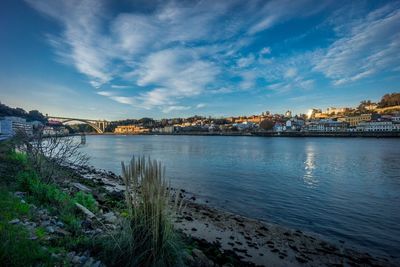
{"type": "Point", "coordinates": [253, 242]}
{"type": "Point", "coordinates": [269, 134]}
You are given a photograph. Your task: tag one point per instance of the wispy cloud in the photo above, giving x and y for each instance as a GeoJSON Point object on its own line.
{"type": "Point", "coordinates": [173, 51]}
{"type": "Point", "coordinates": [366, 46]}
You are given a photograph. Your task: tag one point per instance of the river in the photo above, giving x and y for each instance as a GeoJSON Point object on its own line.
{"type": "Point", "coordinates": [341, 188]}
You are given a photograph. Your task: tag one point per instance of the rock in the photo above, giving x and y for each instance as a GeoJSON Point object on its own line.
{"type": "Point", "coordinates": [70, 255]}
{"type": "Point", "coordinates": [201, 259]}
{"type": "Point", "coordinates": [81, 187]}
{"type": "Point", "coordinates": [110, 217]}
{"type": "Point", "coordinates": [85, 211]}
{"type": "Point", "coordinates": [19, 194]}
{"type": "Point", "coordinates": [76, 260]}
{"type": "Point", "coordinates": [96, 264]}
{"type": "Point", "coordinates": [45, 223]}
{"type": "Point", "coordinates": [87, 224]}
{"type": "Point", "coordinates": [14, 221]}
{"type": "Point", "coordinates": [117, 195]}
{"type": "Point", "coordinates": [60, 224]}
{"type": "Point", "coordinates": [62, 232]}
{"type": "Point", "coordinates": [188, 259]}
{"type": "Point", "coordinates": [50, 229]}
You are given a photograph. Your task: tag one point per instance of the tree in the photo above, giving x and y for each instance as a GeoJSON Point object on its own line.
{"type": "Point", "coordinates": [48, 153]}
{"type": "Point", "coordinates": [389, 100]}
{"type": "Point", "coordinates": [267, 125]}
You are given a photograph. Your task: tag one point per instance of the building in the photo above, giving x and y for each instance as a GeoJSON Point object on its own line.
{"type": "Point", "coordinates": [355, 120]}
{"type": "Point", "coordinates": [313, 112]}
{"type": "Point", "coordinates": [288, 114]}
{"type": "Point", "coordinates": [11, 125]}
{"type": "Point", "coordinates": [325, 126]}
{"type": "Point", "coordinates": [131, 129]}
{"type": "Point", "coordinates": [55, 131]}
{"type": "Point", "coordinates": [335, 111]}
{"type": "Point", "coordinates": [376, 126]}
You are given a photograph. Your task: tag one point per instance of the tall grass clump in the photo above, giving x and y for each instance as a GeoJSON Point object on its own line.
{"type": "Point", "coordinates": [147, 237]}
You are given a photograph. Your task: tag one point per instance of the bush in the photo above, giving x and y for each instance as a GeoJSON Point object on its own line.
{"type": "Point", "coordinates": [147, 237]}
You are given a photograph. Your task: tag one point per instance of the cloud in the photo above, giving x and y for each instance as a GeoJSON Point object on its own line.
{"type": "Point", "coordinates": [279, 11]}
{"type": "Point", "coordinates": [366, 47]}
{"type": "Point", "coordinates": [175, 108]}
{"type": "Point", "coordinates": [265, 51]}
{"type": "Point", "coordinates": [291, 72]}
{"type": "Point", "coordinates": [201, 105]}
{"type": "Point", "coordinates": [172, 51]}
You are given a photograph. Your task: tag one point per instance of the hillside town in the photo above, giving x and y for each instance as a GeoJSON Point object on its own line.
{"type": "Point", "coordinates": [367, 117]}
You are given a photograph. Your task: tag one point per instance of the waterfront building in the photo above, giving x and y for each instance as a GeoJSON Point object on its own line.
{"type": "Point", "coordinates": [396, 118]}
{"type": "Point", "coordinates": [279, 127]}
{"type": "Point", "coordinates": [376, 126]}
{"type": "Point", "coordinates": [11, 125]}
{"type": "Point", "coordinates": [355, 120]}
{"type": "Point", "coordinates": [55, 131]}
{"type": "Point", "coordinates": [130, 129]}
{"type": "Point", "coordinates": [325, 126]}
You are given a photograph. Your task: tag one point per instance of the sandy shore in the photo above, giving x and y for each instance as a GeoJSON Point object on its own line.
{"type": "Point", "coordinates": [267, 244]}
{"type": "Point", "coordinates": [253, 241]}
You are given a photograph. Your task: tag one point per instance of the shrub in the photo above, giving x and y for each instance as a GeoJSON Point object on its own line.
{"type": "Point", "coordinates": [147, 237]}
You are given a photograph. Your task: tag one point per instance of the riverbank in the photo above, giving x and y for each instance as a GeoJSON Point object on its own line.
{"type": "Point", "coordinates": [250, 241]}
{"type": "Point", "coordinates": [211, 237]}
{"type": "Point", "coordinates": [275, 134]}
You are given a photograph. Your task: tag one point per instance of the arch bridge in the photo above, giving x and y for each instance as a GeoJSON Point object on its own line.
{"type": "Point", "coordinates": [98, 125]}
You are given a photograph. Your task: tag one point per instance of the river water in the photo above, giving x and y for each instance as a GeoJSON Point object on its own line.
{"type": "Point", "coordinates": [341, 188]}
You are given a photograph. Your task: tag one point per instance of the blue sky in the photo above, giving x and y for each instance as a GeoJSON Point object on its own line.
{"type": "Point", "coordinates": [132, 59]}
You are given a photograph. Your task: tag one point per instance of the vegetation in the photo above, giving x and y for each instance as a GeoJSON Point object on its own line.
{"type": "Point", "coordinates": [32, 115]}
{"type": "Point", "coordinates": [16, 249]}
{"type": "Point", "coordinates": [390, 100]}
{"type": "Point", "coordinates": [267, 125]}
{"type": "Point", "coordinates": [144, 237]}
{"type": "Point", "coordinates": [147, 237]}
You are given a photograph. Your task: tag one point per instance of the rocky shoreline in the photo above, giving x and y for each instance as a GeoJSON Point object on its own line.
{"type": "Point", "coordinates": [250, 242]}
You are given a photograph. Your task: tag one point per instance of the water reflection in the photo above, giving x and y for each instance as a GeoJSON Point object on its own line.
{"type": "Point", "coordinates": [309, 167]}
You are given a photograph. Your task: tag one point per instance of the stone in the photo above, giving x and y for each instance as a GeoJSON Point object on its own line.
{"type": "Point", "coordinates": [62, 232]}
{"type": "Point", "coordinates": [50, 229]}
{"type": "Point", "coordinates": [14, 221]}
{"type": "Point", "coordinates": [81, 187]}
{"type": "Point", "coordinates": [19, 194]}
{"type": "Point", "coordinates": [87, 212]}
{"type": "Point", "coordinates": [201, 259]}
{"type": "Point", "coordinates": [110, 217]}
{"type": "Point", "coordinates": [96, 264]}
{"type": "Point", "coordinates": [45, 223]}
{"type": "Point", "coordinates": [76, 260]}
{"type": "Point", "coordinates": [70, 255]}
{"type": "Point", "coordinates": [60, 224]}
{"type": "Point", "coordinates": [119, 195]}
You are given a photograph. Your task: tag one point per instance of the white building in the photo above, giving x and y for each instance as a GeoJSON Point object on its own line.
{"type": "Point", "coordinates": [11, 125]}
{"type": "Point", "coordinates": [376, 126]}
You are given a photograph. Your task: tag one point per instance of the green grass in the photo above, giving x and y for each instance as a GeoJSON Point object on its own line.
{"type": "Point", "coordinates": [16, 249]}
{"type": "Point", "coordinates": [86, 200]}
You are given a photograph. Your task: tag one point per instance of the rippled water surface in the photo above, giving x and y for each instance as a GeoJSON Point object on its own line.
{"type": "Point", "coordinates": [342, 188]}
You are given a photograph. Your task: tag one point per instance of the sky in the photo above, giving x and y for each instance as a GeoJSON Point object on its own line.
{"type": "Point", "coordinates": [123, 59]}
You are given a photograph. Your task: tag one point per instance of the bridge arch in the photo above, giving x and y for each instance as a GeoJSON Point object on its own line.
{"type": "Point", "coordinates": [94, 126]}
